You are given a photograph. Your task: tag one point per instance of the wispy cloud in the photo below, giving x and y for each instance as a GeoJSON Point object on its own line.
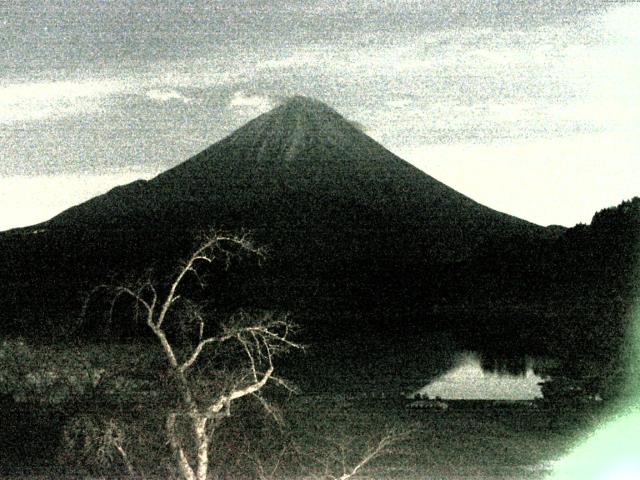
{"type": "Point", "coordinates": [166, 95]}
{"type": "Point", "coordinates": [240, 99]}
{"type": "Point", "coordinates": [399, 103]}
{"type": "Point", "coordinates": [31, 101]}
{"type": "Point", "coordinates": [299, 59]}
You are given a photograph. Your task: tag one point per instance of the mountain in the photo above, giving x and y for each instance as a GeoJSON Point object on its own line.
{"type": "Point", "coordinates": [302, 167]}
{"type": "Point", "coordinates": [346, 222]}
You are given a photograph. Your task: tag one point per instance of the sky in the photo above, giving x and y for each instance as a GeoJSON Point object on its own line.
{"type": "Point", "coordinates": [529, 107]}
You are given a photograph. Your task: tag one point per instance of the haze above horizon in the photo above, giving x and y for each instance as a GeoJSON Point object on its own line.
{"type": "Point", "coordinates": [529, 109]}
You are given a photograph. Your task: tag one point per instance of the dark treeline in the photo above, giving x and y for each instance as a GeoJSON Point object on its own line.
{"type": "Point", "coordinates": [577, 292]}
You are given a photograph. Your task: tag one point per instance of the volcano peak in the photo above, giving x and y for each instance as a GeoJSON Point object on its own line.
{"type": "Point", "coordinates": [304, 112]}
{"type": "Point", "coordinates": [305, 103]}
{"type": "Point", "coordinates": [293, 127]}
{"type": "Point", "coordinates": [303, 166]}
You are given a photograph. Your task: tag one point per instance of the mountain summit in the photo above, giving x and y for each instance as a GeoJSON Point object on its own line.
{"type": "Point", "coordinates": [292, 127]}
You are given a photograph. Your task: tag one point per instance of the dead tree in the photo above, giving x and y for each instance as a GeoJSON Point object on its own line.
{"type": "Point", "coordinates": [345, 462]}
{"type": "Point", "coordinates": [333, 459]}
{"type": "Point", "coordinates": [256, 341]}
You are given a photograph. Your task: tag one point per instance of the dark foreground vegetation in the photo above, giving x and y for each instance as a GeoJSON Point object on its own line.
{"type": "Point", "coordinates": [201, 397]}
{"type": "Point", "coordinates": [321, 433]}
{"type": "Point", "coordinates": [130, 408]}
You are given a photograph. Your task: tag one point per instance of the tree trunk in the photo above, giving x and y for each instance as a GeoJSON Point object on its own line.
{"type": "Point", "coordinates": [183, 463]}
{"type": "Point", "coordinates": [202, 439]}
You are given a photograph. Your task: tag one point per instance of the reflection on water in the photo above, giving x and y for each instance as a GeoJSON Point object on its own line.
{"type": "Point", "coordinates": [473, 379]}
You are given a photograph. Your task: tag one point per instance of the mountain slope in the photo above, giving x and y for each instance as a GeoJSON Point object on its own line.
{"type": "Point", "coordinates": [302, 167]}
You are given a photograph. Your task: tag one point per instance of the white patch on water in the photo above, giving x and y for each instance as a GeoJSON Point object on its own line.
{"type": "Point", "coordinates": [467, 381]}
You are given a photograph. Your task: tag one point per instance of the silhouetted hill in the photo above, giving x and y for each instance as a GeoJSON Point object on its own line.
{"type": "Point", "coordinates": [571, 296]}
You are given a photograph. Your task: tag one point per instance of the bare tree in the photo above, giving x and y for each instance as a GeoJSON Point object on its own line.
{"type": "Point", "coordinates": [252, 341]}
{"type": "Point", "coordinates": [338, 459]}
{"type": "Point", "coordinates": [344, 461]}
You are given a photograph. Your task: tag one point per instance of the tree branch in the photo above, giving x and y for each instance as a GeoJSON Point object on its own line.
{"type": "Point", "coordinates": [198, 350]}
{"type": "Point", "coordinates": [204, 253]}
{"type": "Point", "coordinates": [225, 400]}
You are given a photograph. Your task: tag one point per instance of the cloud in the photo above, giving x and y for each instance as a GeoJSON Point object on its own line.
{"type": "Point", "coordinates": [299, 59]}
{"type": "Point", "coordinates": [31, 101]}
{"type": "Point", "coordinates": [34, 101]}
{"type": "Point", "coordinates": [402, 103]}
{"type": "Point", "coordinates": [253, 101]}
{"type": "Point", "coordinates": [166, 95]}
